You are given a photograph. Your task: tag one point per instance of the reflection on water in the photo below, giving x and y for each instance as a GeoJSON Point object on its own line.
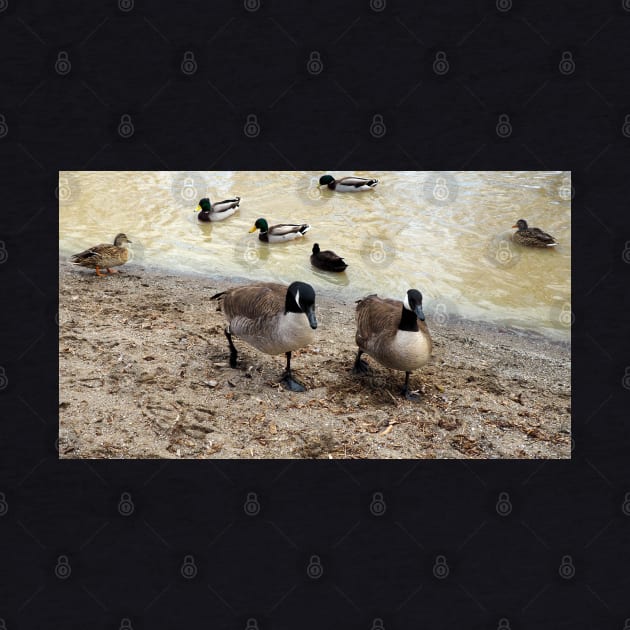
{"type": "Point", "coordinates": [445, 233]}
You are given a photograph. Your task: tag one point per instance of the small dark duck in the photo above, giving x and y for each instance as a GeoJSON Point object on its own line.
{"type": "Point", "coordinates": [327, 260]}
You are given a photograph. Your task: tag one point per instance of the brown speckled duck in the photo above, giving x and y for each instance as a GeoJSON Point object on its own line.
{"type": "Point", "coordinates": [104, 256]}
{"type": "Point", "coordinates": [532, 237]}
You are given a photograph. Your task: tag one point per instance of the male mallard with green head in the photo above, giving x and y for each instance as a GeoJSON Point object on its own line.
{"type": "Point", "coordinates": [218, 210]}
{"type": "Point", "coordinates": [348, 184]}
{"type": "Point", "coordinates": [280, 232]}
{"type": "Point", "coordinates": [104, 256]}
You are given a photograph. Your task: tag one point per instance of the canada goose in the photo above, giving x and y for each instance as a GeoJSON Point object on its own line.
{"type": "Point", "coordinates": [273, 318]}
{"type": "Point", "coordinates": [394, 333]}
{"type": "Point", "coordinates": [348, 184]}
{"type": "Point", "coordinates": [104, 256]}
{"type": "Point", "coordinates": [327, 260]}
{"type": "Point", "coordinates": [280, 232]}
{"type": "Point", "coordinates": [532, 237]}
{"type": "Point", "coordinates": [218, 210]}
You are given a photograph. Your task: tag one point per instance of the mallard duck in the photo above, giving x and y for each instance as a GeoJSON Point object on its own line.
{"type": "Point", "coordinates": [217, 211]}
{"type": "Point", "coordinates": [394, 333]}
{"type": "Point", "coordinates": [280, 232]}
{"type": "Point", "coordinates": [273, 318]}
{"type": "Point", "coordinates": [327, 260]}
{"type": "Point", "coordinates": [347, 184]}
{"type": "Point", "coordinates": [104, 256]}
{"type": "Point", "coordinates": [532, 237]}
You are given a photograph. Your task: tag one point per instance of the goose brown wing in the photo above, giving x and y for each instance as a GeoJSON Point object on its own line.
{"type": "Point", "coordinates": [255, 301]}
{"type": "Point", "coordinates": [376, 317]}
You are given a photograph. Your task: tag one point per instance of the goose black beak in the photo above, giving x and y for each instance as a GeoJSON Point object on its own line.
{"type": "Point", "coordinates": [419, 313]}
{"type": "Point", "coordinates": [312, 320]}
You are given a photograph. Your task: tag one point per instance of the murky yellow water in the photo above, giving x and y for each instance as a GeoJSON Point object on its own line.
{"type": "Point", "coordinates": [445, 233]}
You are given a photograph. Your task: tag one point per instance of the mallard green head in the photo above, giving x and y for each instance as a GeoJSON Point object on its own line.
{"type": "Point", "coordinates": [521, 224]}
{"type": "Point", "coordinates": [324, 180]}
{"type": "Point", "coordinates": [261, 224]}
{"type": "Point", "coordinates": [204, 205]}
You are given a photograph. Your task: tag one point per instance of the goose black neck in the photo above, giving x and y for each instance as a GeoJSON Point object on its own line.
{"type": "Point", "coordinates": [290, 305]}
{"type": "Point", "coordinates": [408, 321]}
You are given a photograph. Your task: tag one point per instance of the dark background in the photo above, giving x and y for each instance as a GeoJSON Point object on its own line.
{"type": "Point", "coordinates": [77, 552]}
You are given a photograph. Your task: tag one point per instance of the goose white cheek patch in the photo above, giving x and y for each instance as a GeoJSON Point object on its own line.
{"type": "Point", "coordinates": [297, 299]}
{"type": "Point", "coordinates": [406, 302]}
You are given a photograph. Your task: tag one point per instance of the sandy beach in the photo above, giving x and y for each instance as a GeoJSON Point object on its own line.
{"type": "Point", "coordinates": [144, 373]}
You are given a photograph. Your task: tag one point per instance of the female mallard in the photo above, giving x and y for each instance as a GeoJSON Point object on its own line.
{"type": "Point", "coordinates": [394, 333]}
{"type": "Point", "coordinates": [280, 232]}
{"type": "Point", "coordinates": [218, 210]}
{"type": "Point", "coordinates": [272, 318]}
{"type": "Point", "coordinates": [532, 237]}
{"type": "Point", "coordinates": [347, 184]}
{"type": "Point", "coordinates": [104, 256]}
{"type": "Point", "coordinates": [327, 260]}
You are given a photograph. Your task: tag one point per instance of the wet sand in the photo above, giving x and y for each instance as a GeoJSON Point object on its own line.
{"type": "Point", "coordinates": [144, 373]}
